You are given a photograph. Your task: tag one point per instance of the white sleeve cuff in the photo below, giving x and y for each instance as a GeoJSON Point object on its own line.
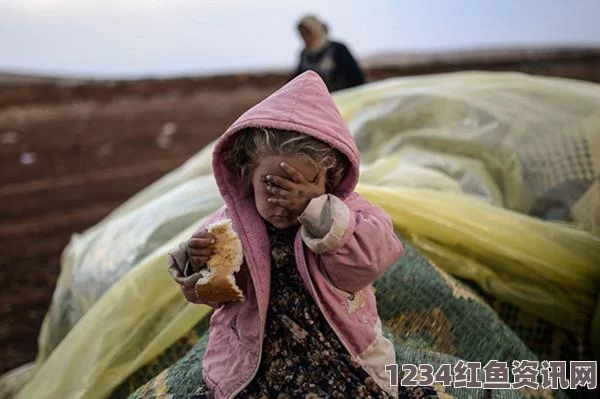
{"type": "Point", "coordinates": [324, 223]}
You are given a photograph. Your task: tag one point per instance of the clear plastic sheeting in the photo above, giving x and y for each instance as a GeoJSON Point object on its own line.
{"type": "Point", "coordinates": [94, 261]}
{"type": "Point", "coordinates": [458, 161]}
{"type": "Point", "coordinates": [530, 144]}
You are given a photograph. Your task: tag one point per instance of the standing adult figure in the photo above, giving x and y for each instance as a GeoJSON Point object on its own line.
{"type": "Point", "coordinates": [330, 59]}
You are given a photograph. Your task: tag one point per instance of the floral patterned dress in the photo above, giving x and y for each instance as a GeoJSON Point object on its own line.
{"type": "Point", "coordinates": [302, 356]}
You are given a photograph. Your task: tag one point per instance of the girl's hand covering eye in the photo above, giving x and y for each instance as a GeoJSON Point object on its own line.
{"type": "Point", "coordinates": [294, 192]}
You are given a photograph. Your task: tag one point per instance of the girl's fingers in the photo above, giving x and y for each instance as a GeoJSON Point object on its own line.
{"type": "Point", "coordinates": [208, 251]}
{"type": "Point", "coordinates": [278, 191]}
{"type": "Point", "coordinates": [202, 234]}
{"type": "Point", "coordinates": [292, 173]}
{"type": "Point", "coordinates": [281, 182]}
{"type": "Point", "coordinates": [200, 242]}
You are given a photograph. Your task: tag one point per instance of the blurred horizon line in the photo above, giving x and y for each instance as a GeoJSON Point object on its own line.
{"type": "Point", "coordinates": [381, 58]}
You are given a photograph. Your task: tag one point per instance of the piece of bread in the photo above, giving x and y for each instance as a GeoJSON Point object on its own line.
{"type": "Point", "coordinates": [217, 283]}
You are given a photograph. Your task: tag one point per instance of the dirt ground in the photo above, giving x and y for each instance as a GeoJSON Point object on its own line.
{"type": "Point", "coordinates": [71, 154]}
{"type": "Point", "coordinates": [90, 157]}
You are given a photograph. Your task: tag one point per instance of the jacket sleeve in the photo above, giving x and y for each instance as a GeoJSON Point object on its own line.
{"type": "Point", "coordinates": [180, 268]}
{"type": "Point", "coordinates": [355, 240]}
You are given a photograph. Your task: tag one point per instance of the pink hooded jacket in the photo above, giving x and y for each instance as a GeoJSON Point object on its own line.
{"type": "Point", "coordinates": [343, 245]}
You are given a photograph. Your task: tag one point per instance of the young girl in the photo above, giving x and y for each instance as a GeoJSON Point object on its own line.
{"type": "Point", "coordinates": [312, 247]}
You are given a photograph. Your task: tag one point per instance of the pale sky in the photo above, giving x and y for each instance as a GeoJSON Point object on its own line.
{"type": "Point", "coordinates": [139, 38]}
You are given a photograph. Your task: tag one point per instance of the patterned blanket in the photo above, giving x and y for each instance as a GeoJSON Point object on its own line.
{"type": "Point", "coordinates": [431, 317]}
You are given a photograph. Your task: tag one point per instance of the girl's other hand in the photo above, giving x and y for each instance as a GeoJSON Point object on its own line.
{"type": "Point", "coordinates": [200, 248]}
